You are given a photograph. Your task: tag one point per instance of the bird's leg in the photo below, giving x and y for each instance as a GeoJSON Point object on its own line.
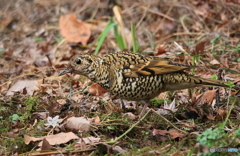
{"type": "Point", "coordinates": [123, 105]}
{"type": "Point", "coordinates": [145, 102]}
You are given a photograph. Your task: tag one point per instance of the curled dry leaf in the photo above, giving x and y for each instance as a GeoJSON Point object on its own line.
{"type": "Point", "coordinates": [78, 123]}
{"type": "Point", "coordinates": [74, 30]}
{"type": "Point", "coordinates": [160, 50]}
{"type": "Point", "coordinates": [130, 115]}
{"type": "Point", "coordinates": [173, 132]}
{"type": "Point", "coordinates": [89, 140]}
{"type": "Point", "coordinates": [206, 98]}
{"type": "Point", "coordinates": [222, 113]}
{"type": "Point", "coordinates": [96, 90]}
{"type": "Point", "coordinates": [214, 62]}
{"type": "Point", "coordinates": [95, 120]}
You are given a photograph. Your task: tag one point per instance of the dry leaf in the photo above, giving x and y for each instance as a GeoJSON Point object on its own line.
{"type": "Point", "coordinates": [160, 50]}
{"type": "Point", "coordinates": [60, 138]}
{"type": "Point", "coordinates": [30, 85]}
{"type": "Point", "coordinates": [28, 139]}
{"type": "Point", "coordinates": [199, 49]}
{"type": "Point", "coordinates": [130, 115]}
{"type": "Point", "coordinates": [95, 120]}
{"type": "Point", "coordinates": [222, 113]}
{"type": "Point", "coordinates": [96, 90]}
{"type": "Point", "coordinates": [173, 132]}
{"type": "Point", "coordinates": [78, 123]}
{"type": "Point", "coordinates": [74, 30]}
{"type": "Point", "coordinates": [159, 132]}
{"type": "Point", "coordinates": [237, 80]}
{"type": "Point", "coordinates": [45, 145]}
{"type": "Point", "coordinates": [89, 140]}
{"type": "Point", "coordinates": [214, 62]}
{"type": "Point", "coordinates": [206, 98]}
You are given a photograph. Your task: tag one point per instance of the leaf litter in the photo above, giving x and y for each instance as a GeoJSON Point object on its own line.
{"type": "Point", "coordinates": [39, 37]}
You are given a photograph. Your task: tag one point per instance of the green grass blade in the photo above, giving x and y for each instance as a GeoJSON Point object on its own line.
{"type": "Point", "coordinates": [103, 35]}
{"type": "Point", "coordinates": [119, 37]}
{"type": "Point", "coordinates": [134, 39]}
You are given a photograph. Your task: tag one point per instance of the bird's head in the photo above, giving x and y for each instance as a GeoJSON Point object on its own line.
{"type": "Point", "coordinates": [82, 64]}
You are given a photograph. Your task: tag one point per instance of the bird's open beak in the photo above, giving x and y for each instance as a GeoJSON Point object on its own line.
{"type": "Point", "coordinates": [64, 71]}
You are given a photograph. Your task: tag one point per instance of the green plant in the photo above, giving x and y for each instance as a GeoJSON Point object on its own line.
{"type": "Point", "coordinates": [31, 105]}
{"type": "Point", "coordinates": [38, 39]}
{"type": "Point", "coordinates": [214, 76]}
{"type": "Point", "coordinates": [103, 35]}
{"type": "Point", "coordinates": [119, 38]}
{"type": "Point", "coordinates": [134, 39]}
{"type": "Point", "coordinates": [157, 102]}
{"type": "Point", "coordinates": [13, 118]}
{"type": "Point", "coordinates": [230, 84]}
{"type": "Point", "coordinates": [216, 39]}
{"type": "Point", "coordinates": [237, 49]}
{"type": "Point", "coordinates": [212, 137]}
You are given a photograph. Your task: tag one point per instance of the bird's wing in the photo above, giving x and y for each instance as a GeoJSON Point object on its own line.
{"type": "Point", "coordinates": [155, 66]}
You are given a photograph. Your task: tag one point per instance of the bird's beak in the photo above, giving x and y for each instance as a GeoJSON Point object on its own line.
{"type": "Point", "coordinates": [65, 71]}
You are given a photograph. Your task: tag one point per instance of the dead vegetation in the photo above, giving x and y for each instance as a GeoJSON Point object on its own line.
{"type": "Point", "coordinates": [42, 113]}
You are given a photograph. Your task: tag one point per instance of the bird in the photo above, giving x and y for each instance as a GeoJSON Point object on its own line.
{"type": "Point", "coordinates": [134, 76]}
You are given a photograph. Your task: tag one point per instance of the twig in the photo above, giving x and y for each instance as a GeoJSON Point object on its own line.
{"type": "Point", "coordinates": [158, 13]}
{"type": "Point", "coordinates": [134, 125]}
{"type": "Point", "coordinates": [178, 34]}
{"type": "Point", "coordinates": [180, 47]}
{"type": "Point", "coordinates": [120, 137]}
{"type": "Point", "coordinates": [219, 74]}
{"type": "Point", "coordinates": [170, 123]}
{"type": "Point", "coordinates": [38, 153]}
{"type": "Point", "coordinates": [229, 111]}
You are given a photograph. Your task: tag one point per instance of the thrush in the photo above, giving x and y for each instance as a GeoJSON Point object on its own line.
{"type": "Point", "coordinates": [133, 76]}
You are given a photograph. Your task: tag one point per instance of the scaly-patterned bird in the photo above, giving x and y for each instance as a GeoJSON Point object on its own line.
{"type": "Point", "coordinates": [133, 76]}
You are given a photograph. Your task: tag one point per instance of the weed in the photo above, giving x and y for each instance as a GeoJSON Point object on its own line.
{"type": "Point", "coordinates": [31, 104]}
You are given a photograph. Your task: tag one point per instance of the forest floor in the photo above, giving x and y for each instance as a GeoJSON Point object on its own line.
{"type": "Point", "coordinates": [42, 113]}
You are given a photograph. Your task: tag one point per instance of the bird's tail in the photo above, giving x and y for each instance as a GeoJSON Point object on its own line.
{"type": "Point", "coordinates": [211, 82]}
{"type": "Point", "coordinates": [179, 81]}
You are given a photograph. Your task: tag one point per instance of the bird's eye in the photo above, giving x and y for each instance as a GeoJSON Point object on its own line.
{"type": "Point", "coordinates": [78, 61]}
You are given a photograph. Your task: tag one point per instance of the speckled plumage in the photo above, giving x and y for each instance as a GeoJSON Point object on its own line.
{"type": "Point", "coordinates": [134, 76]}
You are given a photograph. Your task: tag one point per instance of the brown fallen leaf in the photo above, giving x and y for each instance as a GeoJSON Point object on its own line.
{"type": "Point", "coordinates": [56, 139]}
{"type": "Point", "coordinates": [206, 98]}
{"type": "Point", "coordinates": [237, 80]}
{"type": "Point", "coordinates": [29, 85]}
{"type": "Point", "coordinates": [160, 50]}
{"type": "Point", "coordinates": [45, 145]}
{"type": "Point", "coordinates": [78, 123]}
{"type": "Point", "coordinates": [89, 140]}
{"type": "Point", "coordinates": [95, 120]}
{"type": "Point", "coordinates": [96, 90]}
{"type": "Point", "coordinates": [28, 139]}
{"type": "Point", "coordinates": [214, 62]}
{"type": "Point", "coordinates": [173, 132]}
{"type": "Point", "coordinates": [200, 47]}
{"type": "Point", "coordinates": [59, 138]}
{"type": "Point", "coordinates": [222, 113]}
{"type": "Point", "coordinates": [73, 29]}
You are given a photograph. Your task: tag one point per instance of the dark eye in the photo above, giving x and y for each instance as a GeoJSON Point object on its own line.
{"type": "Point", "coordinates": [78, 61]}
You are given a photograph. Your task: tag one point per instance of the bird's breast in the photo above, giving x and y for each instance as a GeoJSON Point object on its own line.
{"type": "Point", "coordinates": [137, 88]}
